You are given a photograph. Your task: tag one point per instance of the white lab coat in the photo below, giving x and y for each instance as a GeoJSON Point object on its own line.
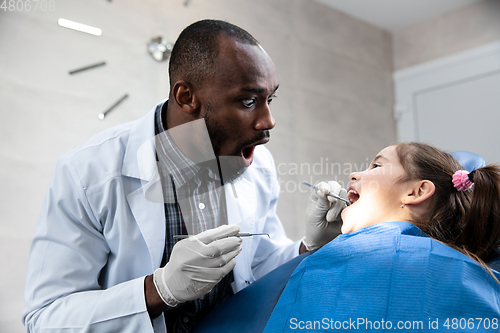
{"type": "Point", "coordinates": [98, 235]}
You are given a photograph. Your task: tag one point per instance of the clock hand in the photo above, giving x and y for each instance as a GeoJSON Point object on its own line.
{"type": "Point", "coordinates": [87, 67]}
{"type": "Point", "coordinates": [103, 114]}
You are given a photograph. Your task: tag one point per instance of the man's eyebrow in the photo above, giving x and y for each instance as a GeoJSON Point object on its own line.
{"type": "Point", "coordinates": [257, 90]}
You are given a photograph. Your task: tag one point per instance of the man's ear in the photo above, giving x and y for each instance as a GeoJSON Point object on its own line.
{"type": "Point", "coordinates": [184, 95]}
{"type": "Point", "coordinates": [420, 192]}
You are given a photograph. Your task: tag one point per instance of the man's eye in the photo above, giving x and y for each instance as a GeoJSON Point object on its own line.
{"type": "Point", "coordinates": [248, 103]}
{"type": "Point", "coordinates": [270, 99]}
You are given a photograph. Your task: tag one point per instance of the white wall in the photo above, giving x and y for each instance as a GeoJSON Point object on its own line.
{"type": "Point", "coordinates": [334, 104]}
{"type": "Point", "coordinates": [460, 30]}
{"type": "Point", "coordinates": [447, 78]}
{"type": "Point", "coordinates": [453, 102]}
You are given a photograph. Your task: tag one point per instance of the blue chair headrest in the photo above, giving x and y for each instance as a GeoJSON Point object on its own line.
{"type": "Point", "coordinates": [468, 160]}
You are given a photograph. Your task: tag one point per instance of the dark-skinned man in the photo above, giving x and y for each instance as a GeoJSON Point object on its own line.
{"type": "Point", "coordinates": [104, 257]}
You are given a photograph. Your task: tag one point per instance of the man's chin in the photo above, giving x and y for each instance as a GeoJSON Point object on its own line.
{"type": "Point", "coordinates": [232, 167]}
{"type": "Point", "coordinates": [234, 176]}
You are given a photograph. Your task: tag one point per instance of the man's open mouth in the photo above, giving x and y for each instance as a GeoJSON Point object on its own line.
{"type": "Point", "coordinates": [247, 152]}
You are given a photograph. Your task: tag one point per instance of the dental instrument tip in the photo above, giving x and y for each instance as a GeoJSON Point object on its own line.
{"type": "Point", "coordinates": [348, 203]}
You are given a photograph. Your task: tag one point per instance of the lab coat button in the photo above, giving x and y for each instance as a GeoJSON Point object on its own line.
{"type": "Point", "coordinates": [201, 205]}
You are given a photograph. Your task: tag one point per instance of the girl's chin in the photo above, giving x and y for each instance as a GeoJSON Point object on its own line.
{"type": "Point", "coordinates": [346, 227]}
{"type": "Point", "coordinates": [346, 216]}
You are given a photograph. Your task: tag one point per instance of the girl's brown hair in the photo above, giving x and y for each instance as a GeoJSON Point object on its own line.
{"type": "Point", "coordinates": [469, 220]}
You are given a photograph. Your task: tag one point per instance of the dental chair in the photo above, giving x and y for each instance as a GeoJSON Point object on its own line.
{"type": "Point", "coordinates": [250, 309]}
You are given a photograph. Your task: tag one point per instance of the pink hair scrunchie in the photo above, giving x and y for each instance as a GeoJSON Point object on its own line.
{"type": "Point", "coordinates": [461, 180]}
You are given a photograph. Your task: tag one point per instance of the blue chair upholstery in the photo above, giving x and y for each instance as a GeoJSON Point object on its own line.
{"type": "Point", "coordinates": [468, 160]}
{"type": "Point", "coordinates": [249, 310]}
{"type": "Point", "coordinates": [495, 262]}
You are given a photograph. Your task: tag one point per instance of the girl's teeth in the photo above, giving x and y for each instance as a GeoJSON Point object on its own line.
{"type": "Point", "coordinates": [353, 196]}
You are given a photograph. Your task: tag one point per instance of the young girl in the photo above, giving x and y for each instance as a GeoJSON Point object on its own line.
{"type": "Point", "coordinates": [412, 253]}
{"type": "Point", "coordinates": [417, 183]}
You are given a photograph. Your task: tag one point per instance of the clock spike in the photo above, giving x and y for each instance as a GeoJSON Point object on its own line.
{"type": "Point", "coordinates": [103, 114]}
{"type": "Point", "coordinates": [87, 67]}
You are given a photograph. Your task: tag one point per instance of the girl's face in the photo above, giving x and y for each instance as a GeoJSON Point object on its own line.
{"type": "Point", "coordinates": [377, 193]}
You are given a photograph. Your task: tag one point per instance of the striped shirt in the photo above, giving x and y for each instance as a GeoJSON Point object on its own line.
{"type": "Point", "coordinates": [194, 202]}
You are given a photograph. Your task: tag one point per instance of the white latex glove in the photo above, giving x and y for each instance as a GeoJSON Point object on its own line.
{"type": "Point", "coordinates": [197, 264]}
{"type": "Point", "coordinates": [323, 221]}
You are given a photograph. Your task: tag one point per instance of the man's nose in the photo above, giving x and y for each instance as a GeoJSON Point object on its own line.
{"type": "Point", "coordinates": [265, 121]}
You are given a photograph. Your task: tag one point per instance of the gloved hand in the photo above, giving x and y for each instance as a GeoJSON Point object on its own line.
{"type": "Point", "coordinates": [323, 221]}
{"type": "Point", "coordinates": [197, 264]}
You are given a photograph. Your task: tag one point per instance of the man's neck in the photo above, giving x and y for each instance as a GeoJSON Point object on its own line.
{"type": "Point", "coordinates": [191, 137]}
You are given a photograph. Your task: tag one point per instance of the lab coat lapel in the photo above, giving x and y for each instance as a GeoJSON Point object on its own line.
{"type": "Point", "coordinates": [150, 217]}
{"type": "Point", "coordinates": [146, 201]}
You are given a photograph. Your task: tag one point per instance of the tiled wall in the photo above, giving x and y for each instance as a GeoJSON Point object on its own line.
{"type": "Point", "coordinates": [338, 101]}
{"type": "Point", "coordinates": [333, 111]}
{"type": "Point", "coordinates": [457, 31]}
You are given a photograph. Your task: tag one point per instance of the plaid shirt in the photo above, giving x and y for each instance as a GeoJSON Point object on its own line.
{"type": "Point", "coordinates": [197, 191]}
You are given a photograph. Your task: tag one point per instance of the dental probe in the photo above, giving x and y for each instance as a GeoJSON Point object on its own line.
{"type": "Point", "coordinates": [329, 193]}
{"type": "Point", "coordinates": [240, 234]}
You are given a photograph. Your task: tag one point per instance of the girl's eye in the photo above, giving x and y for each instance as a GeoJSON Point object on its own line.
{"type": "Point", "coordinates": [375, 165]}
{"type": "Point", "coordinates": [248, 103]}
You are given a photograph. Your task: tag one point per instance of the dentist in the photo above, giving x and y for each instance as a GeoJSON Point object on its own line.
{"type": "Point", "coordinates": [103, 258]}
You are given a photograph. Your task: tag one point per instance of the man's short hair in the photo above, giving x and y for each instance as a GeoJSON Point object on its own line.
{"type": "Point", "coordinates": [197, 47]}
